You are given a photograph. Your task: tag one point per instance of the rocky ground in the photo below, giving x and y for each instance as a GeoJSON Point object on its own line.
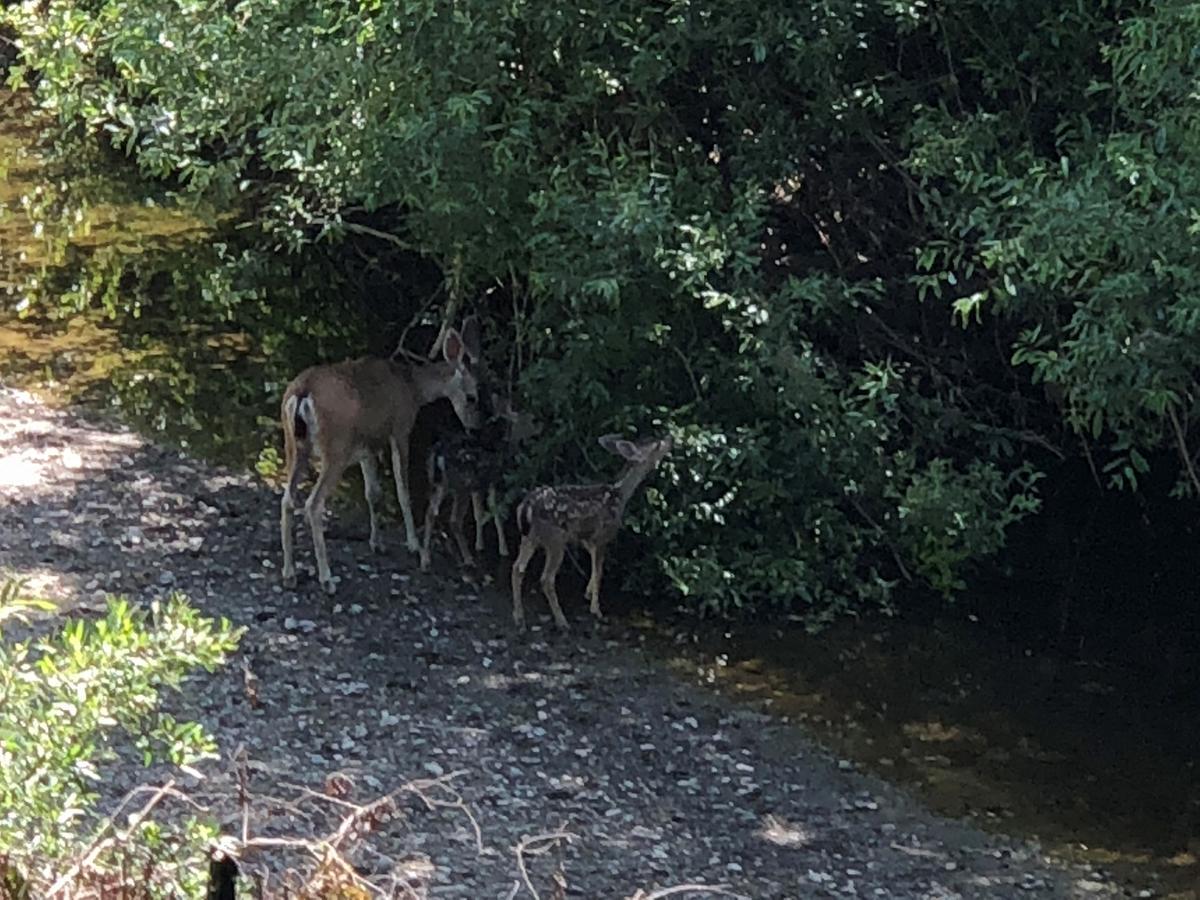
{"type": "Point", "coordinates": [405, 676]}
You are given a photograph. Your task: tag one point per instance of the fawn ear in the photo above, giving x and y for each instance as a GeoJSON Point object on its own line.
{"type": "Point", "coordinates": [453, 347]}
{"type": "Point", "coordinates": [614, 443]}
{"type": "Point", "coordinates": [472, 338]}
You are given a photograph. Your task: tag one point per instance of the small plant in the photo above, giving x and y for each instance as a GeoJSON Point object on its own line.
{"type": "Point", "coordinates": [62, 699]}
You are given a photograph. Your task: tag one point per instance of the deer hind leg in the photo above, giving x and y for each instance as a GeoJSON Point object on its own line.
{"type": "Point", "coordinates": [314, 514]}
{"type": "Point", "coordinates": [400, 472]}
{"type": "Point", "coordinates": [593, 586]}
{"type": "Point", "coordinates": [286, 509]}
{"type": "Point", "coordinates": [374, 493]}
{"type": "Point", "coordinates": [431, 514]}
{"type": "Point", "coordinates": [477, 511]}
{"type": "Point", "coordinates": [497, 521]}
{"type": "Point", "coordinates": [287, 505]}
{"type": "Point", "coordinates": [458, 512]}
{"type": "Point", "coordinates": [554, 558]}
{"type": "Point", "coordinates": [524, 555]}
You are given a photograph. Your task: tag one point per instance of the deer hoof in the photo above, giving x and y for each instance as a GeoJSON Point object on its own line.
{"type": "Point", "coordinates": [376, 546]}
{"type": "Point", "coordinates": [329, 586]}
{"type": "Point", "coordinates": [562, 625]}
{"type": "Point", "coordinates": [424, 562]}
{"type": "Point", "coordinates": [289, 580]}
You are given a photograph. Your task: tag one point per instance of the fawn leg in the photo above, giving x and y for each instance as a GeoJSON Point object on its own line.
{"type": "Point", "coordinates": [593, 587]}
{"type": "Point", "coordinates": [477, 510]}
{"type": "Point", "coordinates": [501, 540]}
{"type": "Point", "coordinates": [458, 512]}
{"type": "Point", "coordinates": [524, 554]}
{"type": "Point", "coordinates": [554, 558]}
{"type": "Point", "coordinates": [431, 514]}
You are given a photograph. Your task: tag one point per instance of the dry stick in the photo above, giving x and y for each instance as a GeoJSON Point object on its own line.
{"type": "Point", "coordinates": [100, 845]}
{"type": "Point", "coordinates": [544, 841]}
{"type": "Point", "coordinates": [355, 228]}
{"type": "Point", "coordinates": [1183, 451]}
{"type": "Point", "coordinates": [413, 321]}
{"type": "Point", "coordinates": [455, 802]}
{"type": "Point", "coordinates": [452, 307]}
{"type": "Point", "coordinates": [720, 890]}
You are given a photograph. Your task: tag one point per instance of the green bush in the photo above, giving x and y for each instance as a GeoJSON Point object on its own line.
{"type": "Point", "coordinates": [63, 701]}
{"type": "Point", "coordinates": [874, 264]}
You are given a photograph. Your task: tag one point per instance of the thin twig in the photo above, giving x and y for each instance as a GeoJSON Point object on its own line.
{"type": "Point", "coordinates": [413, 321]}
{"type": "Point", "coordinates": [535, 845]}
{"type": "Point", "coordinates": [1183, 450]}
{"type": "Point", "coordinates": [687, 367]}
{"type": "Point", "coordinates": [883, 536]}
{"type": "Point", "coordinates": [456, 801]}
{"type": "Point", "coordinates": [355, 228]}
{"type": "Point", "coordinates": [720, 890]}
{"type": "Point", "coordinates": [100, 845]}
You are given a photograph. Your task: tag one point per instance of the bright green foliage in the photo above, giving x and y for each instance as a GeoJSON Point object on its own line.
{"type": "Point", "coordinates": [61, 702]}
{"type": "Point", "coordinates": [876, 265]}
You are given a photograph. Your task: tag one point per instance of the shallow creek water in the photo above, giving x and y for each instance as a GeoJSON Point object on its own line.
{"type": "Point", "coordinates": [1095, 762]}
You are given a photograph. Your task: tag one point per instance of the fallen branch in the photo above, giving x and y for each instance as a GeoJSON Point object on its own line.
{"type": "Point", "coordinates": [536, 845]}
{"type": "Point", "coordinates": [718, 890]}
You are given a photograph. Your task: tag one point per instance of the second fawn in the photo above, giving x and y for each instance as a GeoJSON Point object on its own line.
{"type": "Point", "coordinates": [550, 518]}
{"type": "Point", "coordinates": [471, 465]}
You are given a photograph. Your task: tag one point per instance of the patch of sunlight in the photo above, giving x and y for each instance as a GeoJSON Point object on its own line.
{"type": "Point", "coordinates": [936, 732]}
{"type": "Point", "coordinates": [45, 584]}
{"type": "Point", "coordinates": [783, 833]}
{"type": "Point", "coordinates": [18, 470]}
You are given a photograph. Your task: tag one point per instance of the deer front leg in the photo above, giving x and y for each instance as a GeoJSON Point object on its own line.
{"type": "Point", "coordinates": [458, 512]}
{"type": "Point", "coordinates": [431, 514]}
{"type": "Point", "coordinates": [494, 509]}
{"type": "Point", "coordinates": [400, 472]}
{"type": "Point", "coordinates": [374, 493]}
{"type": "Point", "coordinates": [593, 587]}
{"type": "Point", "coordinates": [287, 507]}
{"type": "Point", "coordinates": [554, 558]}
{"type": "Point", "coordinates": [524, 554]}
{"type": "Point", "coordinates": [477, 511]}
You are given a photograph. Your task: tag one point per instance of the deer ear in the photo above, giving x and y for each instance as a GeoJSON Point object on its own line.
{"type": "Point", "coordinates": [453, 347]}
{"type": "Point", "coordinates": [609, 442]}
{"type": "Point", "coordinates": [472, 338]}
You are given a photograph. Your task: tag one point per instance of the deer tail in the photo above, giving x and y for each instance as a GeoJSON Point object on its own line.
{"type": "Point", "coordinates": [299, 426]}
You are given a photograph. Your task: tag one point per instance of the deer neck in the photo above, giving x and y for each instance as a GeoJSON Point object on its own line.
{"type": "Point", "coordinates": [433, 381]}
{"type": "Point", "coordinates": [631, 480]}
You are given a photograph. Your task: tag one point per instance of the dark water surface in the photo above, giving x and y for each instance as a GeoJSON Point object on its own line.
{"type": "Point", "coordinates": [1097, 762]}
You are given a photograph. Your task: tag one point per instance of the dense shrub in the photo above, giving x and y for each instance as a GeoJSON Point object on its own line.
{"type": "Point", "coordinates": [876, 265]}
{"type": "Point", "coordinates": [63, 702]}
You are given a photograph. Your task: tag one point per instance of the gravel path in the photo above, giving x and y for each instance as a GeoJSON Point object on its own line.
{"type": "Point", "coordinates": [408, 676]}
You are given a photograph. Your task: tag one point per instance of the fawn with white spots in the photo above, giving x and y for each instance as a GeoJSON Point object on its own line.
{"type": "Point", "coordinates": [550, 518]}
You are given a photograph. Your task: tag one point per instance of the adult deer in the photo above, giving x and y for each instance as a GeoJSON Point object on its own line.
{"type": "Point", "coordinates": [550, 518]}
{"type": "Point", "coordinates": [470, 466]}
{"type": "Point", "coordinates": [344, 413]}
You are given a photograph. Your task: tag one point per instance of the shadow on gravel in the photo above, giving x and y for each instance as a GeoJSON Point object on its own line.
{"type": "Point", "coordinates": [404, 675]}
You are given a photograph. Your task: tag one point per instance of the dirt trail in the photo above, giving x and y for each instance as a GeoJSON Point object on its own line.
{"type": "Point", "coordinates": [405, 676]}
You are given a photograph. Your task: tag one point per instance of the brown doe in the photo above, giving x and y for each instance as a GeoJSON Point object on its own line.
{"type": "Point", "coordinates": [470, 466]}
{"type": "Point", "coordinates": [344, 413]}
{"type": "Point", "coordinates": [550, 518]}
